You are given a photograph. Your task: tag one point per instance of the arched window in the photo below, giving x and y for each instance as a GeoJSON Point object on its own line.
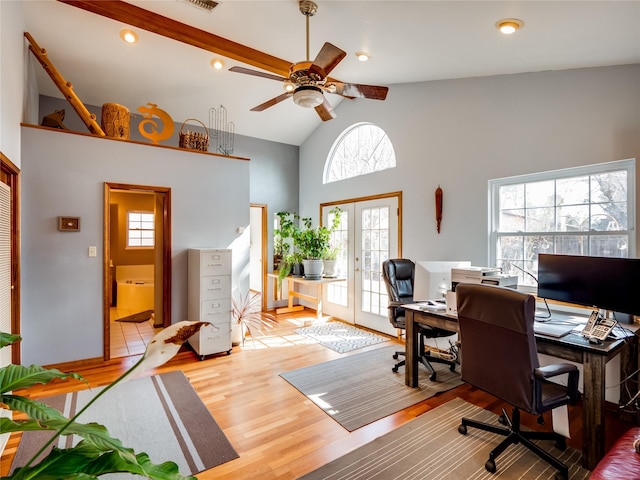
{"type": "Point", "coordinates": [362, 148]}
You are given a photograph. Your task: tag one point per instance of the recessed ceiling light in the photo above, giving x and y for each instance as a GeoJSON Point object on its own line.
{"type": "Point", "coordinates": [509, 25]}
{"type": "Point", "coordinates": [128, 36]}
{"type": "Point", "coordinates": [217, 63]}
{"type": "Point", "coordinates": [363, 57]}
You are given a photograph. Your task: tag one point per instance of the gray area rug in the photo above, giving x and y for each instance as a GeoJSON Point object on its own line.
{"type": "Point", "coordinates": [161, 415]}
{"type": "Point", "coordinates": [430, 448]}
{"type": "Point", "coordinates": [361, 388]}
{"type": "Point", "coordinates": [341, 337]}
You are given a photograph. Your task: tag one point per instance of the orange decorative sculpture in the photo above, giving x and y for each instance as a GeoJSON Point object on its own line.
{"type": "Point", "coordinates": [155, 135]}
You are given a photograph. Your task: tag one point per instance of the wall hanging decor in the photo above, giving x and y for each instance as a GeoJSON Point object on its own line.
{"type": "Point", "coordinates": [69, 224]}
{"type": "Point", "coordinates": [438, 208]}
{"type": "Point", "coordinates": [149, 127]}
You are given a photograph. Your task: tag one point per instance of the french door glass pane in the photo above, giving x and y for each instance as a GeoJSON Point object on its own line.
{"type": "Point", "coordinates": [375, 249]}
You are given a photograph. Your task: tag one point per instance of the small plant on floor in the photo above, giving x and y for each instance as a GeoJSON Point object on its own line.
{"type": "Point", "coordinates": [247, 312]}
{"type": "Point", "coordinates": [97, 453]}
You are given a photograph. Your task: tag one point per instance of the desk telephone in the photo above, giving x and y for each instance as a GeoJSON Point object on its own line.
{"type": "Point", "coordinates": [598, 327]}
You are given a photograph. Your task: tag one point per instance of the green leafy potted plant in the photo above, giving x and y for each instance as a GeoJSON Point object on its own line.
{"type": "Point", "coordinates": [313, 243]}
{"type": "Point", "coordinates": [97, 453]}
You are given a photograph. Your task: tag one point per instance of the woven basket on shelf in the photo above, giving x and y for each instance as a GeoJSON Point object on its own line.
{"type": "Point", "coordinates": [194, 140]}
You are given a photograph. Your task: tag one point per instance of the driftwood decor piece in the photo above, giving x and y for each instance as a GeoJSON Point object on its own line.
{"type": "Point", "coordinates": [54, 120]}
{"type": "Point", "coordinates": [115, 120]}
{"type": "Point", "coordinates": [65, 87]}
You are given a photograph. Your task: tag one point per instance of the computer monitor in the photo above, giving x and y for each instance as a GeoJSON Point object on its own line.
{"type": "Point", "coordinates": [606, 283]}
{"type": "Point", "coordinates": [432, 278]}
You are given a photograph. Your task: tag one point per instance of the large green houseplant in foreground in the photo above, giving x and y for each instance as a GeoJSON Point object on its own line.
{"type": "Point", "coordinates": [97, 453]}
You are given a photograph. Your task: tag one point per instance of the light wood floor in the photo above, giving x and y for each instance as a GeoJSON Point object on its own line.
{"type": "Point", "coordinates": [278, 433]}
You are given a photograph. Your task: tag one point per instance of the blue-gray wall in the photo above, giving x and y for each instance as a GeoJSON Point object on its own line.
{"type": "Point", "coordinates": [459, 134]}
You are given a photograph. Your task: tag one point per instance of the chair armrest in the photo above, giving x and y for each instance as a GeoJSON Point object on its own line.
{"type": "Point", "coordinates": [550, 371]}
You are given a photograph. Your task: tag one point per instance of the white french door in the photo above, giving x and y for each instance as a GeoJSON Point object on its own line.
{"type": "Point", "coordinates": [368, 236]}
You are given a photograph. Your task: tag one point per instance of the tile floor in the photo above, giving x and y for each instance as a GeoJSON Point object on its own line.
{"type": "Point", "coordinates": [129, 338]}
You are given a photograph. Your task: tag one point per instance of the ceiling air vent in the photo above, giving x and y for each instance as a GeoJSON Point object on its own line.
{"type": "Point", "coordinates": [207, 5]}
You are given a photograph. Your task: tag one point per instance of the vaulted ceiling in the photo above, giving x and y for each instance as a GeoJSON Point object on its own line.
{"type": "Point", "coordinates": [408, 41]}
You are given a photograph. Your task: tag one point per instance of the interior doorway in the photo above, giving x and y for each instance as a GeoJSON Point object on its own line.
{"type": "Point", "coordinates": [142, 250]}
{"type": "Point", "coordinates": [258, 251]}
{"type": "Point", "coordinates": [10, 258]}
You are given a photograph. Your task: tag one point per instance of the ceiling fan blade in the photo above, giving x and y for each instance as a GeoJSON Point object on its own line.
{"type": "Point", "coordinates": [325, 111]}
{"type": "Point", "coordinates": [357, 90]}
{"type": "Point", "coordinates": [328, 57]}
{"type": "Point", "coordinates": [272, 102]}
{"type": "Point", "coordinates": [256, 73]}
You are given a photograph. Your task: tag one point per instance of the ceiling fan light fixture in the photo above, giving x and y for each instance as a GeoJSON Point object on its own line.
{"type": "Point", "coordinates": [289, 86]}
{"type": "Point", "coordinates": [362, 56]}
{"type": "Point", "coordinates": [507, 26]}
{"type": "Point", "coordinates": [129, 36]}
{"type": "Point", "coordinates": [308, 96]}
{"type": "Point", "coordinates": [217, 63]}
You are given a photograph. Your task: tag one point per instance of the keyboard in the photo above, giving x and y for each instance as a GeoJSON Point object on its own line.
{"type": "Point", "coordinates": [553, 329]}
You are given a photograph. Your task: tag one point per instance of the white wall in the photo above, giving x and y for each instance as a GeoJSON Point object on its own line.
{"type": "Point", "coordinates": [63, 174]}
{"type": "Point", "coordinates": [461, 133]}
{"type": "Point", "coordinates": [12, 87]}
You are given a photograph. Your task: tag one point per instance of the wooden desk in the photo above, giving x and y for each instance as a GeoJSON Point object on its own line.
{"type": "Point", "coordinates": [291, 293]}
{"type": "Point", "coordinates": [570, 347]}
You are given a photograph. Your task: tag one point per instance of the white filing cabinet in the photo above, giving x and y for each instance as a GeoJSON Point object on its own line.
{"type": "Point", "coordinates": [209, 299]}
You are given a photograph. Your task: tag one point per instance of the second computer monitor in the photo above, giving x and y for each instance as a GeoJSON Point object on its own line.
{"type": "Point", "coordinates": [432, 278]}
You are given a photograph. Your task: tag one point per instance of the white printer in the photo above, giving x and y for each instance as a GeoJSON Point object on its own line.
{"type": "Point", "coordinates": [471, 275]}
{"type": "Point", "coordinates": [484, 275]}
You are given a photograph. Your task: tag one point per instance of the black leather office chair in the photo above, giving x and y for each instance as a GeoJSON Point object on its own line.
{"type": "Point", "coordinates": [500, 357]}
{"type": "Point", "coordinates": [398, 275]}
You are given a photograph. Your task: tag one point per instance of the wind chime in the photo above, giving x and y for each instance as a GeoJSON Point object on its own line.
{"type": "Point", "coordinates": [223, 131]}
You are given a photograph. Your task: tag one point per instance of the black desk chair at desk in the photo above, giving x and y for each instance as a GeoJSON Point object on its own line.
{"type": "Point", "coordinates": [500, 357]}
{"type": "Point", "coordinates": [398, 275]}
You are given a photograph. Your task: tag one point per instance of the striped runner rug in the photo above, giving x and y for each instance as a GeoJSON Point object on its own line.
{"type": "Point", "coordinates": [361, 388]}
{"type": "Point", "coordinates": [161, 415]}
{"type": "Point", "coordinates": [430, 448]}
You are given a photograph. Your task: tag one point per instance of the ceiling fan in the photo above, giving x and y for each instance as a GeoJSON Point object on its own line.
{"type": "Point", "coordinates": [308, 80]}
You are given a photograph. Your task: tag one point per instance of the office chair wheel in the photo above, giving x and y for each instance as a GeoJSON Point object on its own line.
{"type": "Point", "coordinates": [394, 369]}
{"type": "Point", "coordinates": [395, 356]}
{"type": "Point", "coordinates": [490, 466]}
{"type": "Point", "coordinates": [462, 429]}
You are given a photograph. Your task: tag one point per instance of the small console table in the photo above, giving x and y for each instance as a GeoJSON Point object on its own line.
{"type": "Point", "coordinates": [292, 293]}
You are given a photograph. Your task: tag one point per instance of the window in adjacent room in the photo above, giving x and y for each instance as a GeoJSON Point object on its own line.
{"type": "Point", "coordinates": [140, 230]}
{"type": "Point", "coordinates": [585, 210]}
{"type": "Point", "coordinates": [362, 148]}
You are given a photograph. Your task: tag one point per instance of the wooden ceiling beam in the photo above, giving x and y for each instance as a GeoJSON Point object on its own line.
{"type": "Point", "coordinates": [181, 32]}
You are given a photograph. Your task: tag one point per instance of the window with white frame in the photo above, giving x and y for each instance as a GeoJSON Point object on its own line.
{"type": "Point", "coordinates": [140, 229]}
{"type": "Point", "coordinates": [586, 210]}
{"type": "Point", "coordinates": [362, 148]}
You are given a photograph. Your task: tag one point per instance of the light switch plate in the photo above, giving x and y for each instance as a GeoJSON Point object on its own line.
{"type": "Point", "coordinates": [93, 251]}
